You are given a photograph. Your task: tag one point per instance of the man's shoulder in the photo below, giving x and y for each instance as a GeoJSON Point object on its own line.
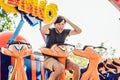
{"type": "Point", "coordinates": [52, 29]}
{"type": "Point", "coordinates": [67, 30]}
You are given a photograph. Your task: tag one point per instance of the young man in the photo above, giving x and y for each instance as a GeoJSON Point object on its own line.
{"type": "Point", "coordinates": [58, 35]}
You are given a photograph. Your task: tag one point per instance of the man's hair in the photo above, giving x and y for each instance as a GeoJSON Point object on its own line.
{"type": "Point", "coordinates": [60, 19]}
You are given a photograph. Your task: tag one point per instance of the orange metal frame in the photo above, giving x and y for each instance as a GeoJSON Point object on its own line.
{"type": "Point", "coordinates": [59, 54]}
{"type": "Point", "coordinates": [94, 59]}
{"type": "Point", "coordinates": [18, 72]}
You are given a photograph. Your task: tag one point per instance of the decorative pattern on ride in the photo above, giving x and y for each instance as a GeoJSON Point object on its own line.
{"type": "Point", "coordinates": [18, 51]}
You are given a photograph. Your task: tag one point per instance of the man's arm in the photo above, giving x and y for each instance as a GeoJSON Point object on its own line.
{"type": "Point", "coordinates": [45, 29]}
{"type": "Point", "coordinates": [76, 30]}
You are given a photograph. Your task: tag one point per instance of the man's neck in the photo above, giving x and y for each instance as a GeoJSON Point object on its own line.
{"type": "Point", "coordinates": [57, 31]}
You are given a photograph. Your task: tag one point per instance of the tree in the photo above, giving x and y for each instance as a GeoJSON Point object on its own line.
{"type": "Point", "coordinates": [7, 20]}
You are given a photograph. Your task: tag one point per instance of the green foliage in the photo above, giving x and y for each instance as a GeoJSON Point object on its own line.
{"type": "Point", "coordinates": [7, 20]}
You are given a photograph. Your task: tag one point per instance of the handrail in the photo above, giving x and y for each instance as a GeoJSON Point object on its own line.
{"type": "Point", "coordinates": [94, 60]}
{"type": "Point", "coordinates": [22, 51]}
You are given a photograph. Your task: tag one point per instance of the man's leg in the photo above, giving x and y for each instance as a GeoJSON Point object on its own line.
{"type": "Point", "coordinates": [76, 69]}
{"type": "Point", "coordinates": [56, 68]}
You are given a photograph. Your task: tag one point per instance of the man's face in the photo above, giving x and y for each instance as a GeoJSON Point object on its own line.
{"type": "Point", "coordinates": [60, 26]}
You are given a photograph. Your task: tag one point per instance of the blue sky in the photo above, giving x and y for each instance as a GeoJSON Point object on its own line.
{"type": "Point", "coordinates": [98, 19]}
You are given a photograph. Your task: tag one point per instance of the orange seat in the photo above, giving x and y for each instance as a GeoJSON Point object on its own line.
{"type": "Point", "coordinates": [117, 65]}
{"type": "Point", "coordinates": [18, 72]}
{"type": "Point", "coordinates": [61, 55]}
{"type": "Point", "coordinates": [94, 59]}
{"type": "Point", "coordinates": [109, 61]}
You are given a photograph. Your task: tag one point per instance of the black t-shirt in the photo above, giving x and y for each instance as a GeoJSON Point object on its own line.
{"type": "Point", "coordinates": [53, 37]}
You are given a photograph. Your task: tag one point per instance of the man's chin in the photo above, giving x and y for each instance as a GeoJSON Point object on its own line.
{"type": "Point", "coordinates": [60, 31]}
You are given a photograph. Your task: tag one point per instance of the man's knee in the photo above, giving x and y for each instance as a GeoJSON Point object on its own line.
{"type": "Point", "coordinates": [59, 67]}
{"type": "Point", "coordinates": [76, 67]}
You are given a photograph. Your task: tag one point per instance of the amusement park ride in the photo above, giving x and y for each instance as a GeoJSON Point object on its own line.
{"type": "Point", "coordinates": [33, 11]}
{"type": "Point", "coordinates": [18, 60]}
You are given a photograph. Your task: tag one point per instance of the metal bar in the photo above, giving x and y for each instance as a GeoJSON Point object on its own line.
{"type": "Point", "coordinates": [15, 34]}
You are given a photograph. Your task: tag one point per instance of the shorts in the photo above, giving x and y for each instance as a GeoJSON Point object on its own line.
{"type": "Point", "coordinates": [49, 62]}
